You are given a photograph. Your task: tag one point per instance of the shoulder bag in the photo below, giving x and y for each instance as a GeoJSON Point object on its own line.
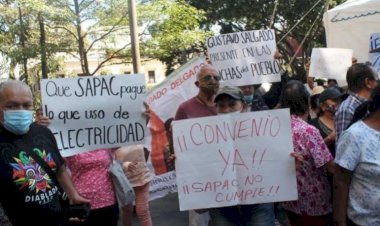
{"type": "Point", "coordinates": [125, 194]}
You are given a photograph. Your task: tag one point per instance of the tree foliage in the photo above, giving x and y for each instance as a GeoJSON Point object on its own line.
{"type": "Point", "coordinates": [94, 25]}
{"type": "Point", "coordinates": [173, 30]}
{"type": "Point", "coordinates": [292, 20]}
{"type": "Point", "coordinates": [20, 34]}
{"type": "Point", "coordinates": [32, 32]}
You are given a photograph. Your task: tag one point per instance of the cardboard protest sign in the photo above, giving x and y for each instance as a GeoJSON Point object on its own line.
{"type": "Point", "coordinates": [245, 58]}
{"type": "Point", "coordinates": [330, 63]}
{"type": "Point", "coordinates": [93, 112]}
{"type": "Point", "coordinates": [374, 52]}
{"type": "Point", "coordinates": [234, 159]}
{"type": "Point", "coordinates": [163, 101]}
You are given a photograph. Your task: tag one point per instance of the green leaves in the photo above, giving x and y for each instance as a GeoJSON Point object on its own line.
{"type": "Point", "coordinates": [174, 31]}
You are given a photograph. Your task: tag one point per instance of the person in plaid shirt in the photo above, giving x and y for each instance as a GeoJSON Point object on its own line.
{"type": "Point", "coordinates": [361, 80]}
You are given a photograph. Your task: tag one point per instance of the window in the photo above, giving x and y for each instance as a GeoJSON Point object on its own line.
{"type": "Point", "coordinates": [152, 77]}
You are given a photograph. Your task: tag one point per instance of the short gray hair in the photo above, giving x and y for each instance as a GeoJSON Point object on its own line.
{"type": "Point", "coordinates": [204, 67]}
{"type": "Point", "coordinates": [14, 84]}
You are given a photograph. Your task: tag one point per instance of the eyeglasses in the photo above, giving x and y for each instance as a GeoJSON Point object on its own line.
{"type": "Point", "coordinates": [208, 77]}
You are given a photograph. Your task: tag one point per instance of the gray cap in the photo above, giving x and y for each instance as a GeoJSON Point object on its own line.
{"type": "Point", "coordinates": [231, 91]}
{"type": "Point", "coordinates": [330, 93]}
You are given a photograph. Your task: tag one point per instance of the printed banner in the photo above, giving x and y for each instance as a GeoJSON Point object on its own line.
{"type": "Point", "coordinates": [330, 63]}
{"type": "Point", "coordinates": [245, 58]}
{"type": "Point", "coordinates": [234, 159]}
{"type": "Point", "coordinates": [179, 86]}
{"type": "Point", "coordinates": [164, 100]}
{"type": "Point", "coordinates": [93, 112]}
{"type": "Point", "coordinates": [374, 52]}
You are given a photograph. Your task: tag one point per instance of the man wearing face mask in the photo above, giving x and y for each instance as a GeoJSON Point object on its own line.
{"type": "Point", "coordinates": [254, 101]}
{"type": "Point", "coordinates": [28, 194]}
{"type": "Point", "coordinates": [200, 106]}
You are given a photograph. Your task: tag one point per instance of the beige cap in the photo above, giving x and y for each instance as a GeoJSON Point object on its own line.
{"type": "Point", "coordinates": [317, 90]}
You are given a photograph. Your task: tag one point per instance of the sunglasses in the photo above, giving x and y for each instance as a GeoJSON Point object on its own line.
{"type": "Point", "coordinates": [208, 77]}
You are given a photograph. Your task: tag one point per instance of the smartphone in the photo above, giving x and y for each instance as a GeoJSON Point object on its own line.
{"type": "Point", "coordinates": [81, 211]}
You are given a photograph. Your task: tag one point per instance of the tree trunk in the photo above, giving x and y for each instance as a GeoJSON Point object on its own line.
{"type": "Point", "coordinates": [44, 68]}
{"type": "Point", "coordinates": [22, 39]}
{"type": "Point", "coordinates": [82, 50]}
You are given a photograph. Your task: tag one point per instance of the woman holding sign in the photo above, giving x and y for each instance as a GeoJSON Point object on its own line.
{"type": "Point", "coordinates": [313, 207]}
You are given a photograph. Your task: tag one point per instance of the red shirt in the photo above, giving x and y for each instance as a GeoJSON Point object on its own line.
{"type": "Point", "coordinates": [194, 108]}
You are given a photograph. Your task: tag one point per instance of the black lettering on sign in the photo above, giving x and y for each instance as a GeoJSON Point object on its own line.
{"type": "Point", "coordinates": [133, 91]}
{"type": "Point", "coordinates": [121, 114]}
{"type": "Point", "coordinates": [257, 36]}
{"type": "Point", "coordinates": [256, 51]}
{"type": "Point", "coordinates": [226, 55]}
{"type": "Point", "coordinates": [265, 68]}
{"type": "Point", "coordinates": [94, 114]}
{"type": "Point", "coordinates": [225, 39]}
{"type": "Point", "coordinates": [53, 90]}
{"type": "Point", "coordinates": [230, 73]}
{"type": "Point", "coordinates": [96, 86]}
{"type": "Point", "coordinates": [68, 115]}
{"type": "Point", "coordinates": [110, 134]}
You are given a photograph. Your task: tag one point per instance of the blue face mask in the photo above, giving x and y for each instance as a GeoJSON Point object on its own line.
{"type": "Point", "coordinates": [18, 121]}
{"type": "Point", "coordinates": [248, 99]}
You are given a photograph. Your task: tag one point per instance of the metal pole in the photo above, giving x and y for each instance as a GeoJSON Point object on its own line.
{"type": "Point", "coordinates": [134, 36]}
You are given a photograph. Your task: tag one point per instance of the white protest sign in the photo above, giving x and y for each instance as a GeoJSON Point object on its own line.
{"type": "Point", "coordinates": [330, 63]}
{"type": "Point", "coordinates": [93, 112]}
{"type": "Point", "coordinates": [234, 159]}
{"type": "Point", "coordinates": [245, 58]}
{"type": "Point", "coordinates": [165, 98]}
{"type": "Point", "coordinates": [374, 52]}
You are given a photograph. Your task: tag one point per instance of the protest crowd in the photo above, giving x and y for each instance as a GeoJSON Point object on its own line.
{"type": "Point", "coordinates": [299, 153]}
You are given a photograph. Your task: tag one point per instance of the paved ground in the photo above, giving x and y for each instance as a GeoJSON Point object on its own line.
{"type": "Point", "coordinates": [165, 212]}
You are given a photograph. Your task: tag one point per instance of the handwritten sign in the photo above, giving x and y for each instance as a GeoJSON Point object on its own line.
{"type": "Point", "coordinates": [374, 52]}
{"type": "Point", "coordinates": [87, 113]}
{"type": "Point", "coordinates": [330, 63]}
{"type": "Point", "coordinates": [245, 57]}
{"type": "Point", "coordinates": [234, 159]}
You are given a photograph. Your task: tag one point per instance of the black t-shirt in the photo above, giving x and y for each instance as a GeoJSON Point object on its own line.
{"type": "Point", "coordinates": [325, 131]}
{"type": "Point", "coordinates": [29, 196]}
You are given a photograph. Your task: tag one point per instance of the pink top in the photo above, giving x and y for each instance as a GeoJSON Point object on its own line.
{"type": "Point", "coordinates": [314, 196]}
{"type": "Point", "coordinates": [91, 178]}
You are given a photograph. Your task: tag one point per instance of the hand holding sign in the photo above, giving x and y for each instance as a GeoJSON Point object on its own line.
{"type": "Point", "coordinates": [234, 159]}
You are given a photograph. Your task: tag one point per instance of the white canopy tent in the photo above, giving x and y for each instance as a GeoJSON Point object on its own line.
{"type": "Point", "coordinates": [350, 25]}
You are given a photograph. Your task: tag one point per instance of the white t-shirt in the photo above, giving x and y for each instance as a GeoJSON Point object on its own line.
{"type": "Point", "coordinates": [358, 150]}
